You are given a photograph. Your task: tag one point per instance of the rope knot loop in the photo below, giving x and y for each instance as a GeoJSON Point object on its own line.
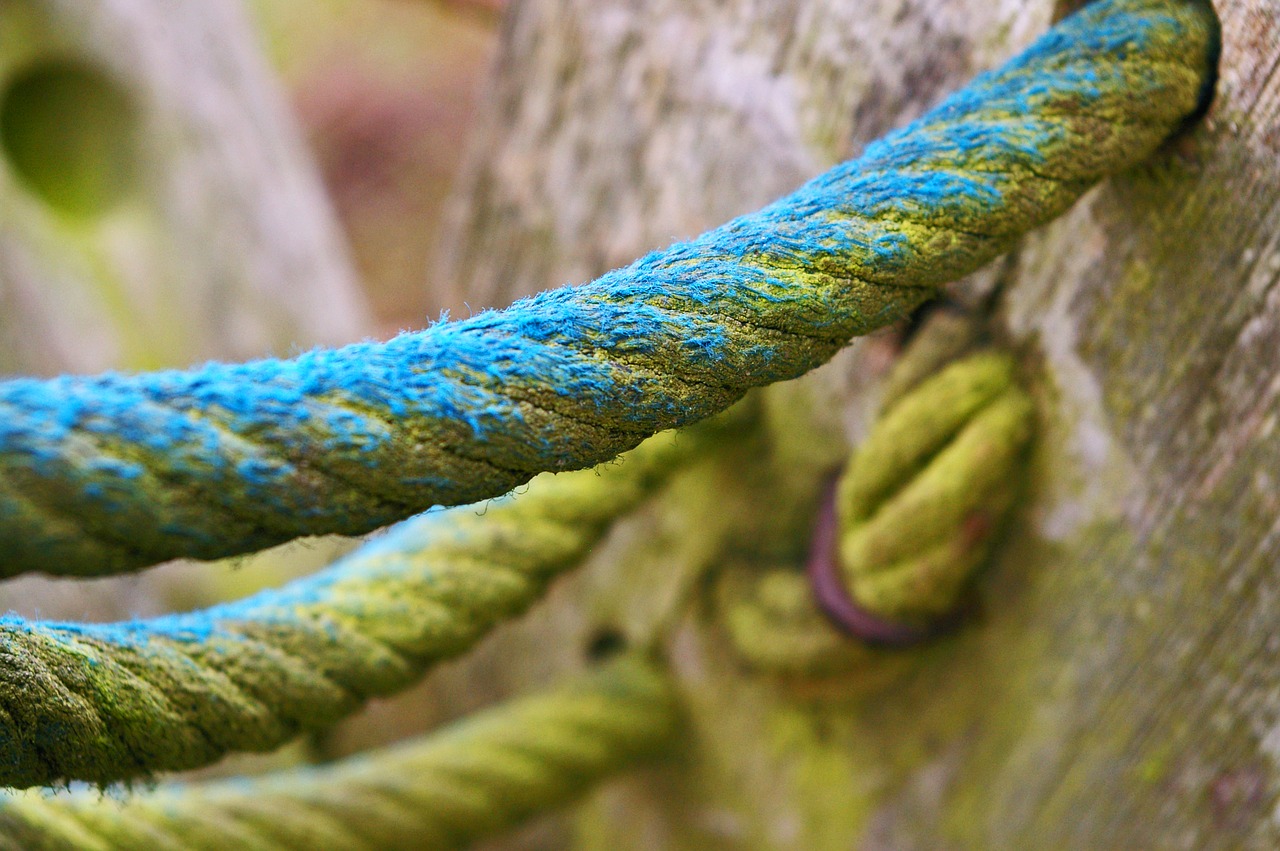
{"type": "Point", "coordinates": [921, 503]}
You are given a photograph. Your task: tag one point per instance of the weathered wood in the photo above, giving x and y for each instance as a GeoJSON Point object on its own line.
{"type": "Point", "coordinates": [1120, 685]}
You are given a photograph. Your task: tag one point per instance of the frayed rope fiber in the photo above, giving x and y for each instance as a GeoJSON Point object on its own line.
{"type": "Point", "coordinates": [110, 473]}
{"type": "Point", "coordinates": [468, 781]}
{"type": "Point", "coordinates": [108, 702]}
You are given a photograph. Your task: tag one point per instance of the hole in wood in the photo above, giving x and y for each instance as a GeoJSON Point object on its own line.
{"type": "Point", "coordinates": [604, 644]}
{"type": "Point", "coordinates": [70, 134]}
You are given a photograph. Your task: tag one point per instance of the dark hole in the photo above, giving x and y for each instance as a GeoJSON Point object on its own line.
{"type": "Point", "coordinates": [605, 643]}
{"type": "Point", "coordinates": [70, 134]}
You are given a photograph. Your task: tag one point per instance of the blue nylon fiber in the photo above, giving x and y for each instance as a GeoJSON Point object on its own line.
{"type": "Point", "coordinates": [110, 473]}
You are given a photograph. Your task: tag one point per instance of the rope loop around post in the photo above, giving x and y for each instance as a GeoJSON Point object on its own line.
{"type": "Point", "coordinates": [924, 499]}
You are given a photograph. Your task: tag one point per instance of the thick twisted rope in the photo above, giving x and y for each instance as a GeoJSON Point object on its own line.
{"type": "Point", "coordinates": [471, 779]}
{"type": "Point", "coordinates": [484, 774]}
{"type": "Point", "coordinates": [923, 500]}
{"type": "Point", "coordinates": [110, 473]}
{"type": "Point", "coordinates": [898, 538]}
{"type": "Point", "coordinates": [106, 702]}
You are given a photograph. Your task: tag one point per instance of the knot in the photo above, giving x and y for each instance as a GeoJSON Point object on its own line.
{"type": "Point", "coordinates": [776, 629]}
{"type": "Point", "coordinates": [922, 502]}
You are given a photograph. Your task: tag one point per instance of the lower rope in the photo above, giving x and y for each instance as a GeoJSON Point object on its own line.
{"type": "Point", "coordinates": [474, 779]}
{"type": "Point", "coordinates": [108, 702]}
{"type": "Point", "coordinates": [111, 473]}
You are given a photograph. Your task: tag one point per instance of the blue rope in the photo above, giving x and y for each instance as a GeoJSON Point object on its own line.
{"type": "Point", "coordinates": [113, 472]}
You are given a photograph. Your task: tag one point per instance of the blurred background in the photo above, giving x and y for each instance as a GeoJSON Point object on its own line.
{"type": "Point", "coordinates": [386, 92]}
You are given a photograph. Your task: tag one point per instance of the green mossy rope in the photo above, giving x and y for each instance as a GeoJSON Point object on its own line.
{"type": "Point", "coordinates": [471, 780]}
{"type": "Point", "coordinates": [924, 498]}
{"type": "Point", "coordinates": [108, 702]}
{"type": "Point", "coordinates": [775, 627]}
{"type": "Point", "coordinates": [917, 510]}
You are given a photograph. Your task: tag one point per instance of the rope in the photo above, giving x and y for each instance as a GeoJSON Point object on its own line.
{"type": "Point", "coordinates": [923, 500]}
{"type": "Point", "coordinates": [774, 625]}
{"type": "Point", "coordinates": [110, 473]}
{"type": "Point", "coordinates": [107, 702]}
{"type": "Point", "coordinates": [900, 535]}
{"type": "Point", "coordinates": [445, 790]}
